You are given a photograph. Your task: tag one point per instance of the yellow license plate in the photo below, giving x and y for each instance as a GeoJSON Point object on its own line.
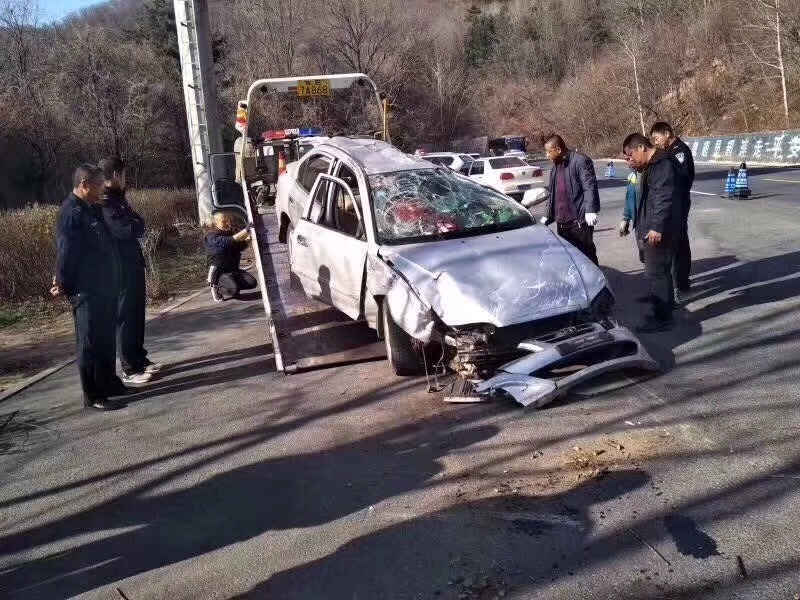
{"type": "Point", "coordinates": [314, 88]}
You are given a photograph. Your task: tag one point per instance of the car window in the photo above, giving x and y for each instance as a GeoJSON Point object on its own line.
{"type": "Point", "coordinates": [344, 212]}
{"type": "Point", "coordinates": [464, 170]}
{"type": "Point", "coordinates": [432, 204]}
{"type": "Point", "coordinates": [311, 169]}
{"type": "Point", "coordinates": [506, 162]}
{"type": "Point", "coordinates": [317, 212]}
{"type": "Point", "coordinates": [465, 157]}
{"type": "Point", "coordinates": [477, 168]}
{"type": "Point", "coordinates": [442, 160]}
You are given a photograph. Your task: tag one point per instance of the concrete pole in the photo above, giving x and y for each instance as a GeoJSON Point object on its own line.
{"type": "Point", "coordinates": [199, 91]}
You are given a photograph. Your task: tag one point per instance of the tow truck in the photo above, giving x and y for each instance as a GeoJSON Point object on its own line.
{"type": "Point", "coordinates": [505, 326]}
{"type": "Point", "coordinates": [305, 334]}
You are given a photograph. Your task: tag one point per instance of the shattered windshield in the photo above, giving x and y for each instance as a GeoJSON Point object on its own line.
{"type": "Point", "coordinates": [431, 204]}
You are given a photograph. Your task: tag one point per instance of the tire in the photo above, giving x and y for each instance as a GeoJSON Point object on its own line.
{"type": "Point", "coordinates": [400, 351]}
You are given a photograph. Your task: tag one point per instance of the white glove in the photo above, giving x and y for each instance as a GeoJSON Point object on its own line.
{"type": "Point", "coordinates": [543, 220]}
{"type": "Point", "coordinates": [591, 219]}
{"type": "Point", "coordinates": [624, 228]}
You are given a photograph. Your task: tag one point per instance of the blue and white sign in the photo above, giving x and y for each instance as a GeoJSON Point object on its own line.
{"type": "Point", "coordinates": [780, 147]}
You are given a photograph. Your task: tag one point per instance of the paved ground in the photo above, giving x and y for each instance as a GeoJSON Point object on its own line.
{"type": "Point", "coordinates": [225, 479]}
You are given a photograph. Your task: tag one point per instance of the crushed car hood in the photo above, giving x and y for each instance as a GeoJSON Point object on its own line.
{"type": "Point", "coordinates": [500, 278]}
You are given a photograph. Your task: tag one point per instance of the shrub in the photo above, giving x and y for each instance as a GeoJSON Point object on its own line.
{"type": "Point", "coordinates": [27, 243]}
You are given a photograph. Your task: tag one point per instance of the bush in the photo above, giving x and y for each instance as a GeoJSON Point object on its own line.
{"type": "Point", "coordinates": [28, 253]}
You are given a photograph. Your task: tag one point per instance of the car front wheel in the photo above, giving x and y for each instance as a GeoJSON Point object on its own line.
{"type": "Point", "coordinates": [400, 350]}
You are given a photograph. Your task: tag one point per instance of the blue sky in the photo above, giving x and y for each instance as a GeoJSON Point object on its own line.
{"type": "Point", "coordinates": [55, 10]}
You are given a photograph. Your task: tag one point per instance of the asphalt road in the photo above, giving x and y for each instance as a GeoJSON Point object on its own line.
{"type": "Point", "coordinates": [225, 479]}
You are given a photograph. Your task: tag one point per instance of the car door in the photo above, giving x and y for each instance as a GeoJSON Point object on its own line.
{"type": "Point", "coordinates": [329, 246]}
{"type": "Point", "coordinates": [307, 172]}
{"type": "Point", "coordinates": [477, 171]}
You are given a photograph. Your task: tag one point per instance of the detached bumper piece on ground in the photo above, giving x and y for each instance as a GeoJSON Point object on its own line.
{"type": "Point", "coordinates": [565, 359]}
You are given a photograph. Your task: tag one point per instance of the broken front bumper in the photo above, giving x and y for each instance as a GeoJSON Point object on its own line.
{"type": "Point", "coordinates": [585, 351]}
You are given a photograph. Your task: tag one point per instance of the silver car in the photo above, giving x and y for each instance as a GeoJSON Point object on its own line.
{"type": "Point", "coordinates": [447, 271]}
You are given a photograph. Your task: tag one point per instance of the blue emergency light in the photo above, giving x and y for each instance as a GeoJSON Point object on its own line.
{"type": "Point", "coordinates": [310, 131]}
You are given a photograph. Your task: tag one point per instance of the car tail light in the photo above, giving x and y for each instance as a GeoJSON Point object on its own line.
{"type": "Point", "coordinates": [506, 176]}
{"type": "Point", "coordinates": [281, 163]}
{"type": "Point", "coordinates": [537, 173]}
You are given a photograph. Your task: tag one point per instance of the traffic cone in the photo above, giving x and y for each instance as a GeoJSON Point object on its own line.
{"type": "Point", "coordinates": [611, 172]}
{"type": "Point", "coordinates": [742, 189]}
{"type": "Point", "coordinates": [730, 184]}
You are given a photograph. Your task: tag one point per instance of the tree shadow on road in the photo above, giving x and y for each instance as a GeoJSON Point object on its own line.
{"type": "Point", "coordinates": [295, 491]}
{"type": "Point", "coordinates": [480, 549]}
{"type": "Point", "coordinates": [720, 286]}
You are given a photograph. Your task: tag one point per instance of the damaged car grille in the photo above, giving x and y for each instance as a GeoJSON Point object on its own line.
{"type": "Point", "coordinates": [480, 350]}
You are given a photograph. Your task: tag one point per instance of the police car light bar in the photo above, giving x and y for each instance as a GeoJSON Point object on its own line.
{"type": "Point", "coordinates": [280, 134]}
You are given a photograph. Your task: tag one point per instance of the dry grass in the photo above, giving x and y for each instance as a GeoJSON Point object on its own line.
{"type": "Point", "coordinates": [172, 245]}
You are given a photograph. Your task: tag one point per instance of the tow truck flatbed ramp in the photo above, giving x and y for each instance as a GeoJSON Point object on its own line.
{"type": "Point", "coordinates": [307, 334]}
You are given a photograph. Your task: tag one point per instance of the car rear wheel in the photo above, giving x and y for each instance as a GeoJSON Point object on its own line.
{"type": "Point", "coordinates": [400, 350]}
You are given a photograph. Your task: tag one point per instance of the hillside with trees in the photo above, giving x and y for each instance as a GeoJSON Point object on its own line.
{"type": "Point", "coordinates": [106, 80]}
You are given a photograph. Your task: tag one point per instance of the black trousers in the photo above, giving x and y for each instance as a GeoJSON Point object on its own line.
{"type": "Point", "coordinates": [230, 284]}
{"type": "Point", "coordinates": [131, 321]}
{"type": "Point", "coordinates": [682, 263]}
{"type": "Point", "coordinates": [581, 236]}
{"type": "Point", "coordinates": [95, 326]}
{"type": "Point", "coordinates": [658, 269]}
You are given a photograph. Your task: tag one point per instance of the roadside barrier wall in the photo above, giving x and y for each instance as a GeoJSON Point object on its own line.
{"type": "Point", "coordinates": [777, 147]}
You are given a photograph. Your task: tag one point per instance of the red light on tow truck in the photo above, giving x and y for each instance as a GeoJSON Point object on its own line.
{"type": "Point", "coordinates": [281, 163]}
{"type": "Point", "coordinates": [506, 176]}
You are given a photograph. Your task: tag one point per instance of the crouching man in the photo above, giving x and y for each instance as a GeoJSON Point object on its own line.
{"type": "Point", "coordinates": [224, 251]}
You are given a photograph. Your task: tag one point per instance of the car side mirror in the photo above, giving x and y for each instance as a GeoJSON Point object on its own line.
{"type": "Point", "coordinates": [535, 196]}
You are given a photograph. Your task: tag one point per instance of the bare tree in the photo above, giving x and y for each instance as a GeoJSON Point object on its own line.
{"type": "Point", "coordinates": [768, 23]}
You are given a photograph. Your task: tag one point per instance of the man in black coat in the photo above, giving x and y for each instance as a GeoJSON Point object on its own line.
{"type": "Point", "coordinates": [574, 199]}
{"type": "Point", "coordinates": [88, 274]}
{"type": "Point", "coordinates": [126, 227]}
{"type": "Point", "coordinates": [224, 251]}
{"type": "Point", "coordinates": [665, 138]}
{"type": "Point", "coordinates": [658, 223]}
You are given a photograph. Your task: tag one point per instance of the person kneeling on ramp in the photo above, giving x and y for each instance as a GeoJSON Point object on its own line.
{"type": "Point", "coordinates": [224, 251]}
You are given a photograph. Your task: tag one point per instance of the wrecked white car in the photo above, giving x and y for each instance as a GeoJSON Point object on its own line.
{"type": "Point", "coordinates": [448, 272]}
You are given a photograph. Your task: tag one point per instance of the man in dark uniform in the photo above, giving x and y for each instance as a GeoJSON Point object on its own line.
{"type": "Point", "coordinates": [574, 199]}
{"type": "Point", "coordinates": [224, 251]}
{"type": "Point", "coordinates": [87, 273]}
{"type": "Point", "coordinates": [657, 221]}
{"type": "Point", "coordinates": [126, 227]}
{"type": "Point", "coordinates": [663, 137]}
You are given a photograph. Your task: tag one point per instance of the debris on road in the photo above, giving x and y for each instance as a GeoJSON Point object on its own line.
{"type": "Point", "coordinates": [615, 444]}
{"type": "Point", "coordinates": [646, 543]}
{"type": "Point", "coordinates": [740, 564]}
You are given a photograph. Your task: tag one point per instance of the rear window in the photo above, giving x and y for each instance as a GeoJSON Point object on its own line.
{"type": "Point", "coordinates": [440, 160]}
{"type": "Point", "coordinates": [506, 162]}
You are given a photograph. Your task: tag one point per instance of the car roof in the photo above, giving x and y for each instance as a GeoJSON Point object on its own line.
{"type": "Point", "coordinates": [376, 156]}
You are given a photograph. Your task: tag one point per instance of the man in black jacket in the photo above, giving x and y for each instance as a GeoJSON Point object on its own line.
{"type": "Point", "coordinates": [88, 274]}
{"type": "Point", "coordinates": [665, 138]}
{"type": "Point", "coordinates": [658, 219]}
{"type": "Point", "coordinates": [126, 227]}
{"type": "Point", "coordinates": [574, 199]}
{"type": "Point", "coordinates": [224, 251]}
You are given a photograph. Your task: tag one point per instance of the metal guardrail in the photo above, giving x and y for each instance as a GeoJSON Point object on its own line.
{"type": "Point", "coordinates": [777, 147]}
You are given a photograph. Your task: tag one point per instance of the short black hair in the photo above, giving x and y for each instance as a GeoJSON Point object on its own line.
{"type": "Point", "coordinates": [86, 172]}
{"type": "Point", "coordinates": [662, 127]}
{"type": "Point", "coordinates": [110, 165]}
{"type": "Point", "coordinates": [557, 141]}
{"type": "Point", "coordinates": [635, 140]}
